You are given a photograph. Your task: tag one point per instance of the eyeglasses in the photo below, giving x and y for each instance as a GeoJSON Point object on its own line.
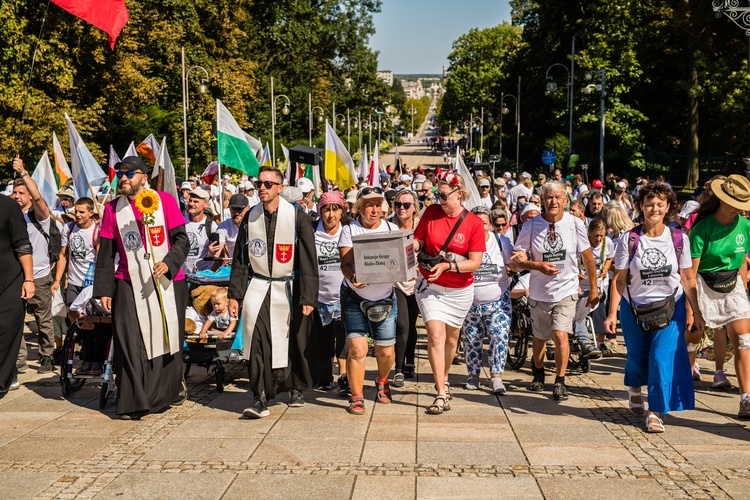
{"type": "Point", "coordinates": [406, 205]}
{"type": "Point", "coordinates": [445, 196]}
{"type": "Point", "coordinates": [266, 184]}
{"type": "Point", "coordinates": [127, 173]}
{"type": "Point", "coordinates": [369, 190]}
{"type": "Point", "coordinates": [551, 232]}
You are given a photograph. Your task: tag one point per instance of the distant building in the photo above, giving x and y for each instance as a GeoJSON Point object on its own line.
{"type": "Point", "coordinates": [413, 90]}
{"type": "Point", "coordinates": [386, 76]}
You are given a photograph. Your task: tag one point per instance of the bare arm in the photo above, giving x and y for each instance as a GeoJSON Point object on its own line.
{"type": "Point", "coordinates": [688, 283]}
{"type": "Point", "coordinates": [590, 264]}
{"type": "Point", "coordinates": [618, 288]}
{"type": "Point", "coordinates": [27, 264]}
{"type": "Point", "coordinates": [62, 265]}
{"type": "Point", "coordinates": [41, 211]}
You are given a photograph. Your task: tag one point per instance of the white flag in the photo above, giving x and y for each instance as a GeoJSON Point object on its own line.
{"type": "Point", "coordinates": [131, 150]}
{"type": "Point", "coordinates": [164, 162]}
{"type": "Point", "coordinates": [87, 174]}
{"type": "Point", "coordinates": [45, 180]}
{"type": "Point", "coordinates": [474, 199]}
{"type": "Point", "coordinates": [364, 165]}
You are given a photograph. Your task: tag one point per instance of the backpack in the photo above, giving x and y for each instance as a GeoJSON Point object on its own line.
{"type": "Point", "coordinates": [54, 238]}
{"type": "Point", "coordinates": [634, 237]}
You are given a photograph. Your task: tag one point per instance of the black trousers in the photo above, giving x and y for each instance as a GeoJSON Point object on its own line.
{"type": "Point", "coordinates": [406, 329]}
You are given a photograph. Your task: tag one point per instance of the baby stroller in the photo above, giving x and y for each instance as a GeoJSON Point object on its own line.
{"type": "Point", "coordinates": [73, 373]}
{"type": "Point", "coordinates": [212, 352]}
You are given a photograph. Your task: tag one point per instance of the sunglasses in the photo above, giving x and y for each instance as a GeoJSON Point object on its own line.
{"type": "Point", "coordinates": [126, 173]}
{"type": "Point", "coordinates": [369, 190]}
{"type": "Point", "coordinates": [421, 191]}
{"type": "Point", "coordinates": [500, 224]}
{"type": "Point", "coordinates": [266, 184]}
{"type": "Point", "coordinates": [445, 196]}
{"type": "Point", "coordinates": [406, 205]}
{"type": "Point", "coordinates": [484, 187]}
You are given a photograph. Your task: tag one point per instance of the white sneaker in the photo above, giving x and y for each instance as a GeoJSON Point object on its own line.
{"type": "Point", "coordinates": [497, 386]}
{"type": "Point", "coordinates": [696, 371]}
{"type": "Point", "coordinates": [14, 385]}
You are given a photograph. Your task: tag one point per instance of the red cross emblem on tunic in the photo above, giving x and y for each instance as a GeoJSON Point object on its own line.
{"type": "Point", "coordinates": [156, 233]}
{"type": "Point", "coordinates": [283, 252]}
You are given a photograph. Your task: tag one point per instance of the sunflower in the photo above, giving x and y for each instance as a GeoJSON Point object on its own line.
{"type": "Point", "coordinates": [147, 201]}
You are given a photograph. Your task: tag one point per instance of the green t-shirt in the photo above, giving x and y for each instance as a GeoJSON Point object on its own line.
{"type": "Point", "coordinates": [720, 247]}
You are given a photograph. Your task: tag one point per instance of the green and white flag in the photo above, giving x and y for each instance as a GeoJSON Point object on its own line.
{"type": "Point", "coordinates": [233, 147]}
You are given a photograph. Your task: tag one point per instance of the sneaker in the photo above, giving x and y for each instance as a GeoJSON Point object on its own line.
{"type": "Point", "coordinates": [591, 351]}
{"type": "Point", "coordinates": [23, 368]}
{"type": "Point", "coordinates": [45, 365]}
{"type": "Point", "coordinates": [256, 410]}
{"type": "Point", "coordinates": [181, 396]}
{"type": "Point", "coordinates": [398, 380]}
{"type": "Point", "coordinates": [696, 371]}
{"type": "Point", "coordinates": [497, 386]}
{"type": "Point", "coordinates": [14, 385]}
{"type": "Point", "coordinates": [744, 412]}
{"type": "Point", "coordinates": [605, 349]}
{"type": "Point", "coordinates": [325, 386]}
{"type": "Point", "coordinates": [296, 398]}
{"type": "Point", "coordinates": [472, 384]}
{"type": "Point", "coordinates": [560, 392]}
{"type": "Point", "coordinates": [343, 383]}
{"type": "Point", "coordinates": [721, 381]}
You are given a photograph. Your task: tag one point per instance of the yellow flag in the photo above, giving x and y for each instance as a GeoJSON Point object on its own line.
{"type": "Point", "coordinates": [339, 166]}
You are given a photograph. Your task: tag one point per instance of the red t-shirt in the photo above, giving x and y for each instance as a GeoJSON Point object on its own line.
{"type": "Point", "coordinates": [434, 228]}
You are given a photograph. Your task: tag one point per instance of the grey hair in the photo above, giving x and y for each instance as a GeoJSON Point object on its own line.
{"type": "Point", "coordinates": [550, 187]}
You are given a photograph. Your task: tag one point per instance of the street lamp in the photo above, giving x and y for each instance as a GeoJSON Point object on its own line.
{"type": "Point", "coordinates": [505, 110]}
{"type": "Point", "coordinates": [310, 113]}
{"type": "Point", "coordinates": [368, 123]}
{"type": "Point", "coordinates": [412, 120]}
{"type": "Point", "coordinates": [202, 88]}
{"type": "Point", "coordinates": [491, 119]}
{"type": "Point", "coordinates": [601, 87]}
{"type": "Point", "coordinates": [552, 87]}
{"type": "Point", "coordinates": [343, 122]}
{"type": "Point", "coordinates": [284, 111]}
{"type": "Point", "coordinates": [379, 125]}
{"type": "Point", "coordinates": [349, 120]}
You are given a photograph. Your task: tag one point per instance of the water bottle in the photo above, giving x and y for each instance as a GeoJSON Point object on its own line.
{"type": "Point", "coordinates": [89, 279]}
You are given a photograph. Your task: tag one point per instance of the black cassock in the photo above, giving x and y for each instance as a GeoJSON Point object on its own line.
{"type": "Point", "coordinates": [264, 379]}
{"type": "Point", "coordinates": [14, 240]}
{"type": "Point", "coordinates": [142, 384]}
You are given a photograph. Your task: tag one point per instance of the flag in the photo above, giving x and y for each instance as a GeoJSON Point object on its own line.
{"type": "Point", "coordinates": [474, 199]}
{"type": "Point", "coordinates": [364, 165]}
{"type": "Point", "coordinates": [210, 173]}
{"type": "Point", "coordinates": [233, 144]}
{"type": "Point", "coordinates": [265, 158]}
{"type": "Point", "coordinates": [131, 150]}
{"type": "Point", "coordinates": [255, 144]}
{"type": "Point", "coordinates": [163, 162]}
{"type": "Point", "coordinates": [286, 156]}
{"type": "Point", "coordinates": [396, 161]}
{"type": "Point", "coordinates": [374, 177]}
{"type": "Point", "coordinates": [477, 158]}
{"type": "Point", "coordinates": [109, 16]}
{"type": "Point", "coordinates": [339, 166]}
{"type": "Point", "coordinates": [111, 172]}
{"type": "Point", "coordinates": [87, 174]}
{"type": "Point", "coordinates": [150, 149]}
{"type": "Point", "coordinates": [61, 166]}
{"type": "Point", "coordinates": [312, 172]}
{"type": "Point", "coordinates": [45, 180]}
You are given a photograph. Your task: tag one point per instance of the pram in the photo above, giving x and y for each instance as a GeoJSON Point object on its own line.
{"type": "Point", "coordinates": [74, 353]}
{"type": "Point", "coordinates": [212, 353]}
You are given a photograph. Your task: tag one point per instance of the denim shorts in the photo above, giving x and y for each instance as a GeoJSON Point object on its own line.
{"type": "Point", "coordinates": [357, 325]}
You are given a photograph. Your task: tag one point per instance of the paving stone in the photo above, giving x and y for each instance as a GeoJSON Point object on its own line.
{"type": "Point", "coordinates": [600, 488]}
{"type": "Point", "coordinates": [390, 452]}
{"type": "Point", "coordinates": [165, 486]}
{"type": "Point", "coordinates": [475, 488]}
{"type": "Point", "coordinates": [23, 485]}
{"type": "Point", "coordinates": [285, 487]}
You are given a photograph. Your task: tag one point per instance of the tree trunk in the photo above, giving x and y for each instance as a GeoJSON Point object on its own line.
{"type": "Point", "coordinates": [692, 176]}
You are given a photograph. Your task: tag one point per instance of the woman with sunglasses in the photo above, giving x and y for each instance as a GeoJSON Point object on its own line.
{"type": "Point", "coordinates": [405, 216]}
{"type": "Point", "coordinates": [491, 310]}
{"type": "Point", "coordinates": [381, 325]}
{"type": "Point", "coordinates": [445, 290]}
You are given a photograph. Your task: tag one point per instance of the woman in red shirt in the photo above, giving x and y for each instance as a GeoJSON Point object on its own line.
{"type": "Point", "coordinates": [445, 289]}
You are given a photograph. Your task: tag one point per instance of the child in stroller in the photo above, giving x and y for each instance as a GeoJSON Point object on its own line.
{"type": "Point", "coordinates": [219, 321]}
{"type": "Point", "coordinates": [93, 326]}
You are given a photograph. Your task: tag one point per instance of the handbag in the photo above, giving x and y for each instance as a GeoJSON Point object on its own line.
{"type": "Point", "coordinates": [720, 281]}
{"type": "Point", "coordinates": [654, 316]}
{"type": "Point", "coordinates": [426, 261]}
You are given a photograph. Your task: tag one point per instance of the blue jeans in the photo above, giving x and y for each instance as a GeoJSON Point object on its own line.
{"type": "Point", "coordinates": [356, 323]}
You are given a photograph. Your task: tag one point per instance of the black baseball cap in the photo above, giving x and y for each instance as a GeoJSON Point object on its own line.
{"type": "Point", "coordinates": [238, 201]}
{"type": "Point", "coordinates": [132, 163]}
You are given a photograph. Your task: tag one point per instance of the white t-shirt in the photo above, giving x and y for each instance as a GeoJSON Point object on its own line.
{"type": "Point", "coordinates": [230, 187]}
{"type": "Point", "coordinates": [228, 235]}
{"type": "Point", "coordinates": [654, 272]}
{"type": "Point", "coordinates": [375, 291]}
{"type": "Point", "coordinates": [487, 201]}
{"type": "Point", "coordinates": [491, 279]}
{"type": "Point", "coordinates": [199, 242]}
{"type": "Point", "coordinates": [580, 192]}
{"type": "Point", "coordinates": [220, 321]}
{"type": "Point", "coordinates": [564, 251]}
{"type": "Point", "coordinates": [81, 245]}
{"type": "Point", "coordinates": [515, 192]}
{"type": "Point", "coordinates": [83, 297]}
{"type": "Point", "coordinates": [597, 251]}
{"type": "Point", "coordinates": [329, 264]}
{"type": "Point", "coordinates": [39, 246]}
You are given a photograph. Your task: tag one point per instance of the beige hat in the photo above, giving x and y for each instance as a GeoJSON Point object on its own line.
{"type": "Point", "coordinates": [200, 193]}
{"type": "Point", "coordinates": [734, 191]}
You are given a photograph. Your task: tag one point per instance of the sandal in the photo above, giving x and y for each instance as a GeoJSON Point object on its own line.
{"type": "Point", "coordinates": [356, 406]}
{"type": "Point", "coordinates": [384, 393]}
{"type": "Point", "coordinates": [448, 395]}
{"type": "Point", "coordinates": [437, 408]}
{"type": "Point", "coordinates": [636, 408]}
{"type": "Point", "coordinates": [654, 424]}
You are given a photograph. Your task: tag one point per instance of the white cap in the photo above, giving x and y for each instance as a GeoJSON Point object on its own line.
{"type": "Point", "coordinates": [622, 185]}
{"type": "Point", "coordinates": [507, 175]}
{"type": "Point", "coordinates": [688, 208]}
{"type": "Point", "coordinates": [404, 178]}
{"type": "Point", "coordinates": [419, 178]}
{"type": "Point", "coordinates": [525, 175]}
{"type": "Point", "coordinates": [249, 185]}
{"type": "Point", "coordinates": [530, 207]}
{"type": "Point", "coordinates": [186, 185]}
{"type": "Point", "coordinates": [305, 185]}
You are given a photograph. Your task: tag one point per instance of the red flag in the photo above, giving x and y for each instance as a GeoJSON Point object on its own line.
{"type": "Point", "coordinates": [108, 15]}
{"type": "Point", "coordinates": [209, 174]}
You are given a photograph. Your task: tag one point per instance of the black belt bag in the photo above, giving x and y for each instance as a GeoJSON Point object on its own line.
{"type": "Point", "coordinates": [655, 316]}
{"type": "Point", "coordinates": [720, 281]}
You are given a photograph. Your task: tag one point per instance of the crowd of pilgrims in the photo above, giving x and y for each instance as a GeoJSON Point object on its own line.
{"type": "Point", "coordinates": [624, 255]}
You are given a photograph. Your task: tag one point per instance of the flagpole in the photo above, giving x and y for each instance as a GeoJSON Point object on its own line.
{"type": "Point", "coordinates": [96, 202]}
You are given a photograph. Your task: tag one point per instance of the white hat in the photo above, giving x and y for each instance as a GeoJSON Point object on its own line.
{"type": "Point", "coordinates": [525, 175]}
{"type": "Point", "coordinates": [530, 207]}
{"type": "Point", "coordinates": [484, 181]}
{"type": "Point", "coordinates": [200, 193]}
{"type": "Point", "coordinates": [186, 185]}
{"type": "Point", "coordinates": [249, 185]}
{"type": "Point", "coordinates": [499, 181]}
{"type": "Point", "coordinates": [351, 196]}
{"type": "Point", "coordinates": [404, 178]}
{"type": "Point", "coordinates": [305, 185]}
{"type": "Point", "coordinates": [688, 208]}
{"type": "Point", "coordinates": [419, 178]}
{"type": "Point", "coordinates": [291, 194]}
{"type": "Point", "coordinates": [507, 175]}
{"type": "Point", "coordinates": [622, 185]}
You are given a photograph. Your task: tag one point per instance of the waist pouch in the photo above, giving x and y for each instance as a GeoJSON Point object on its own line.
{"type": "Point", "coordinates": [655, 316]}
{"type": "Point", "coordinates": [720, 281]}
{"type": "Point", "coordinates": [375, 311]}
{"type": "Point", "coordinates": [427, 262]}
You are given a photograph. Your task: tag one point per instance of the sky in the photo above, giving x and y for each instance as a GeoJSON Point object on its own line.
{"type": "Point", "coordinates": [416, 36]}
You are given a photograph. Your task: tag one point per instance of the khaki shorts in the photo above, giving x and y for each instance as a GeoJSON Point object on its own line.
{"type": "Point", "coordinates": [547, 317]}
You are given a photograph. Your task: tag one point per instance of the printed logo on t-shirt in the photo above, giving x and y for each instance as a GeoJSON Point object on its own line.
{"type": "Point", "coordinates": [740, 240]}
{"type": "Point", "coordinates": [487, 270]}
{"type": "Point", "coordinates": [553, 246]}
{"type": "Point", "coordinates": [77, 247]}
{"type": "Point", "coordinates": [193, 245]}
{"type": "Point", "coordinates": [654, 265]}
{"type": "Point", "coordinates": [459, 238]}
{"type": "Point", "coordinates": [328, 253]}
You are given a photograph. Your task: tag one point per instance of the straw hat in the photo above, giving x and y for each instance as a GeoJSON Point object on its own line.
{"type": "Point", "coordinates": [734, 191]}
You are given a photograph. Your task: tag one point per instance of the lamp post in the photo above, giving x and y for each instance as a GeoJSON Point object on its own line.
{"type": "Point", "coordinates": [186, 102]}
{"type": "Point", "coordinates": [349, 120]}
{"type": "Point", "coordinates": [601, 87]}
{"type": "Point", "coordinates": [379, 127]}
{"type": "Point", "coordinates": [739, 16]}
{"type": "Point", "coordinates": [284, 111]}
{"type": "Point", "coordinates": [311, 112]}
{"type": "Point", "coordinates": [412, 120]}
{"type": "Point", "coordinates": [491, 119]}
{"type": "Point", "coordinates": [552, 87]}
{"type": "Point", "coordinates": [505, 110]}
{"type": "Point", "coordinates": [343, 122]}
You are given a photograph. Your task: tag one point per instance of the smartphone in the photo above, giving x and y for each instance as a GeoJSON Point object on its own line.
{"type": "Point", "coordinates": [214, 238]}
